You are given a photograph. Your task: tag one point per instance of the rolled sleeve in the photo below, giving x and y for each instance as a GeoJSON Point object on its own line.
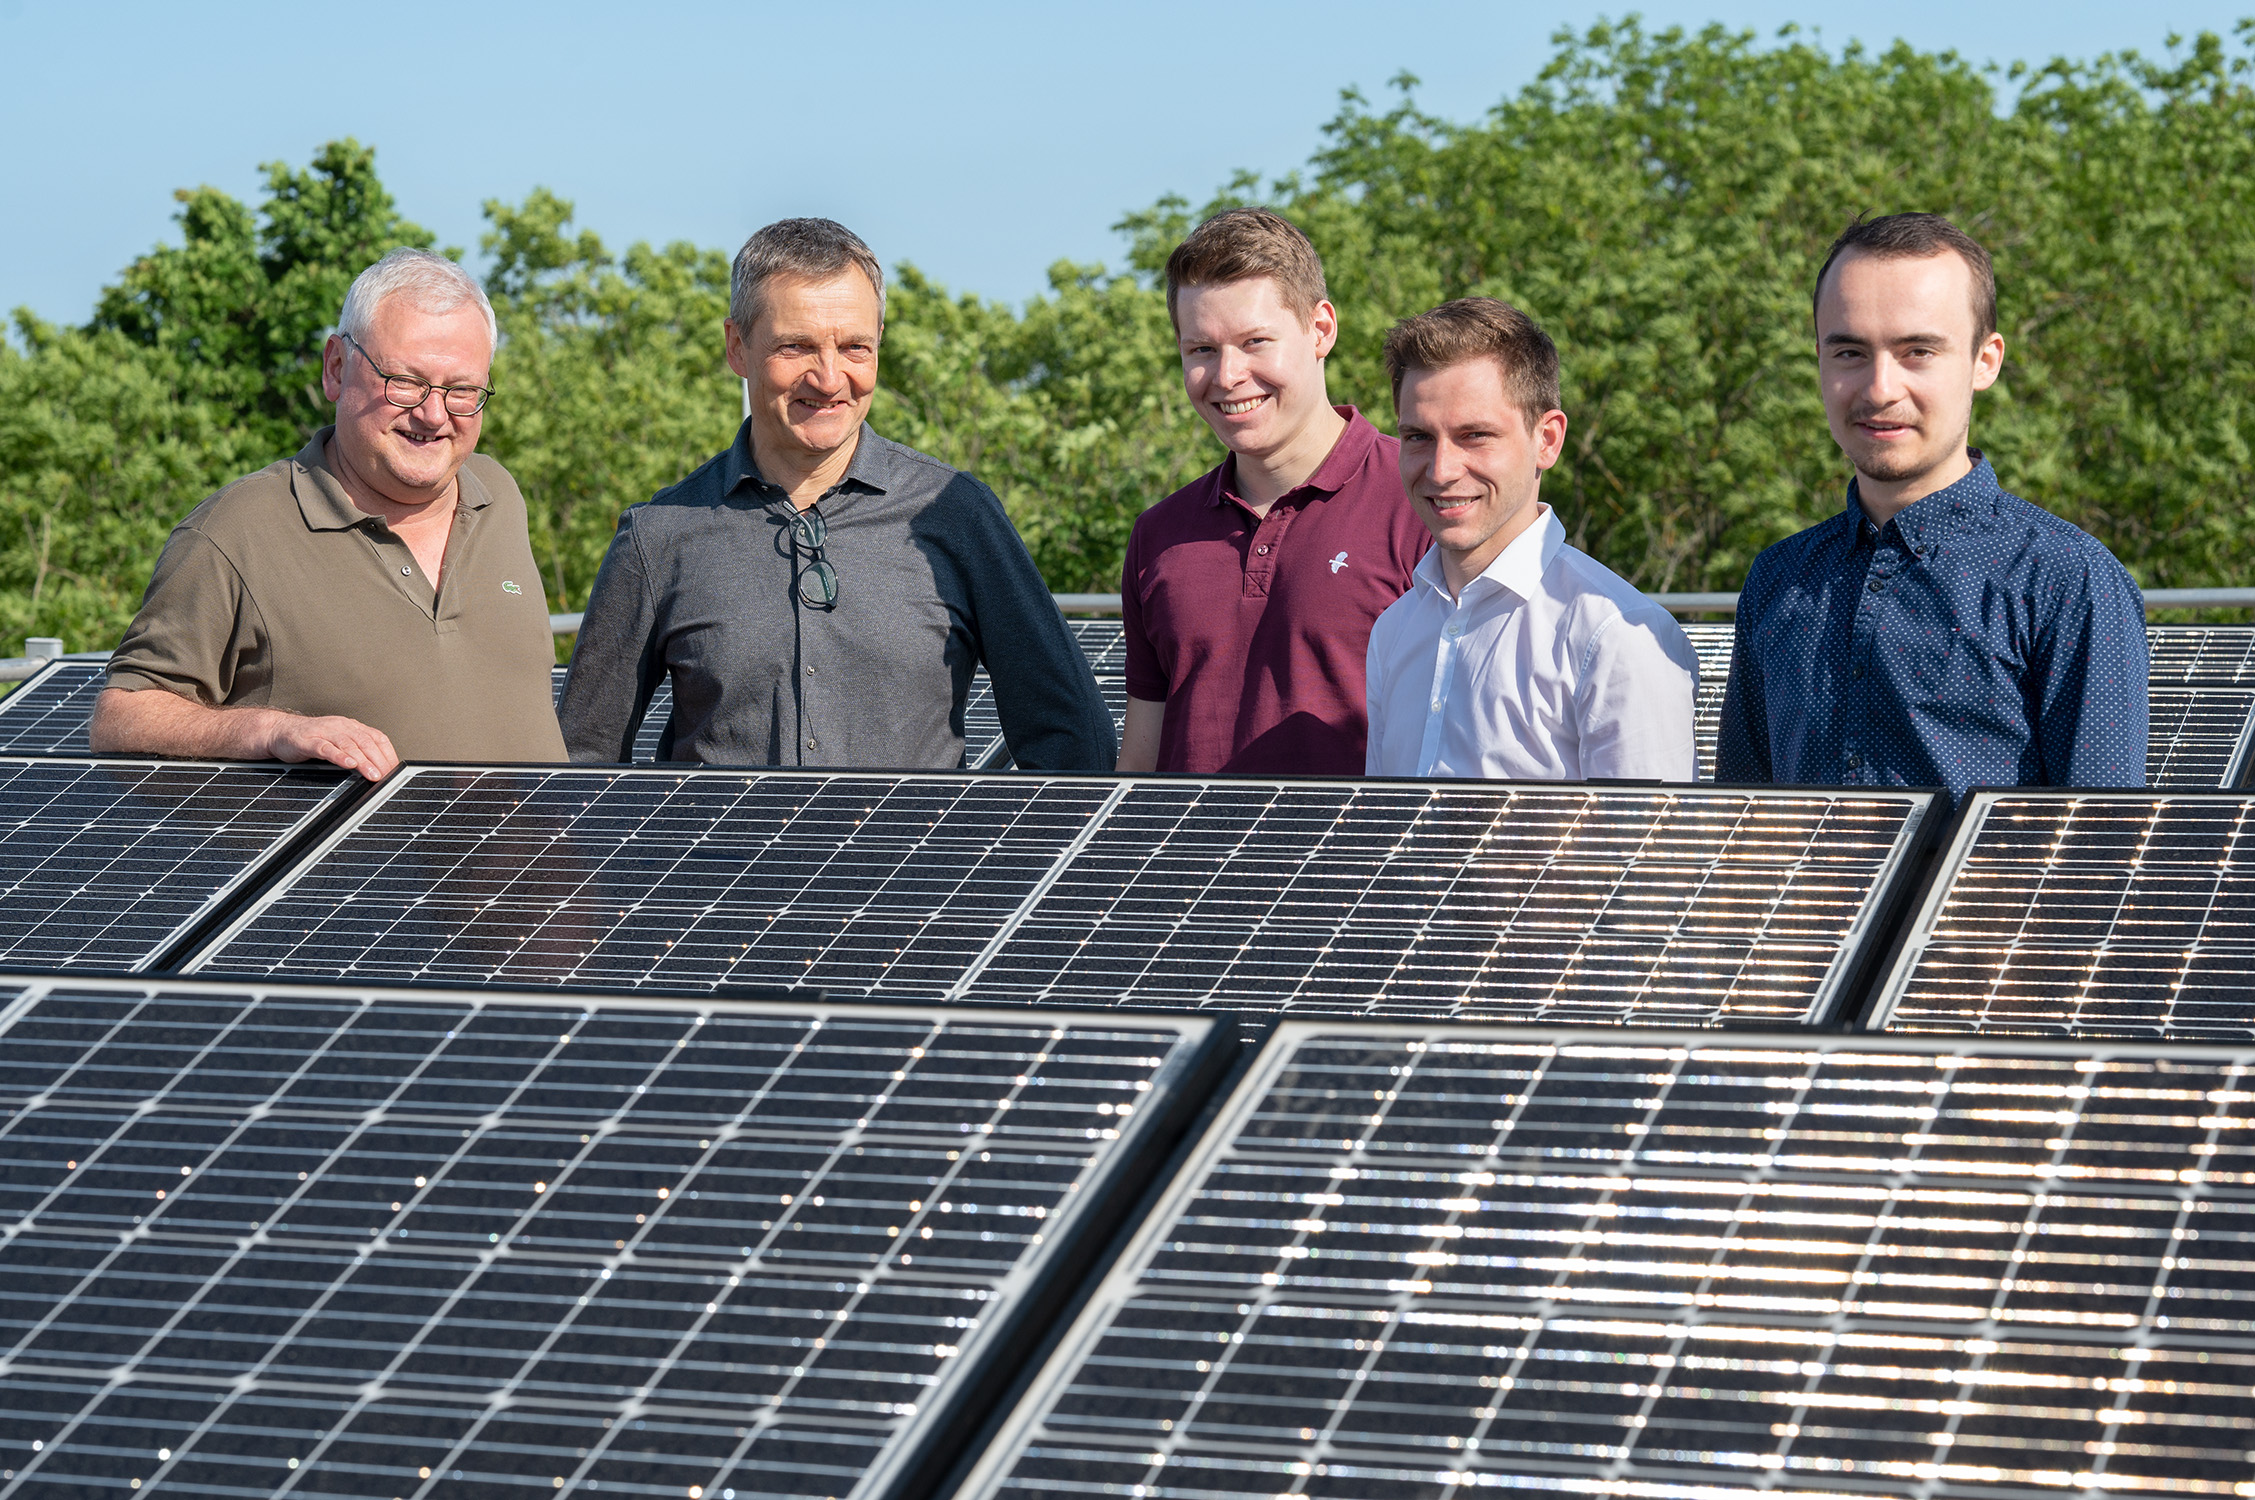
{"type": "Point", "coordinates": [614, 671]}
{"type": "Point", "coordinates": [198, 632]}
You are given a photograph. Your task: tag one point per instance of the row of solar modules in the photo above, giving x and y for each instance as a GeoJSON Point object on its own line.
{"type": "Point", "coordinates": [2093, 913]}
{"type": "Point", "coordinates": [280, 1241]}
{"type": "Point", "coordinates": [2202, 732]}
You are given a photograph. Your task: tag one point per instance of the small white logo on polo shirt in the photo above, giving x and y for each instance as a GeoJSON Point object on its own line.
{"type": "Point", "coordinates": [1337, 563]}
{"type": "Point", "coordinates": [509, 586]}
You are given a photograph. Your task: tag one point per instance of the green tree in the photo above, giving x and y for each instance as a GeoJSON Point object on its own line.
{"type": "Point", "coordinates": [610, 382]}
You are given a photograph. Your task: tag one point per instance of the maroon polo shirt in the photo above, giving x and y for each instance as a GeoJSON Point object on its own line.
{"type": "Point", "coordinates": [1253, 629]}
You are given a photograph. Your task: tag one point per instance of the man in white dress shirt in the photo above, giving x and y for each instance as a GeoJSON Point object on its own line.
{"type": "Point", "coordinates": [1513, 655]}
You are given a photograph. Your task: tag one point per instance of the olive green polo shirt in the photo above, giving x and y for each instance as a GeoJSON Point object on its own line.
{"type": "Point", "coordinates": [279, 592]}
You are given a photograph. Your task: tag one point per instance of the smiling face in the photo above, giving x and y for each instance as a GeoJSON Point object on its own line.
{"type": "Point", "coordinates": [1251, 366]}
{"type": "Point", "coordinates": [1898, 361]}
{"type": "Point", "coordinates": [407, 456]}
{"type": "Point", "coordinates": [811, 358]}
{"type": "Point", "coordinates": [1471, 465]}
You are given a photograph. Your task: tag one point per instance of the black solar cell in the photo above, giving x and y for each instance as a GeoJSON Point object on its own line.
{"type": "Point", "coordinates": [48, 715]}
{"type": "Point", "coordinates": [673, 878]}
{"type": "Point", "coordinates": [343, 1243]}
{"type": "Point", "coordinates": [104, 863]}
{"type": "Point", "coordinates": [2090, 914]}
{"type": "Point", "coordinates": [1538, 902]}
{"type": "Point", "coordinates": [1415, 1262]}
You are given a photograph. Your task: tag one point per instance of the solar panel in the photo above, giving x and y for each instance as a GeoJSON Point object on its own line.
{"type": "Point", "coordinates": [2212, 655]}
{"type": "Point", "coordinates": [2199, 736]}
{"type": "Point", "coordinates": [106, 863]}
{"type": "Point", "coordinates": [281, 1242]}
{"type": "Point", "coordinates": [984, 748]}
{"type": "Point", "coordinates": [2088, 914]}
{"type": "Point", "coordinates": [1414, 1262]}
{"type": "Point", "coordinates": [1715, 645]}
{"type": "Point", "coordinates": [1104, 642]}
{"type": "Point", "coordinates": [1361, 898]}
{"type": "Point", "coordinates": [679, 878]}
{"type": "Point", "coordinates": [49, 713]}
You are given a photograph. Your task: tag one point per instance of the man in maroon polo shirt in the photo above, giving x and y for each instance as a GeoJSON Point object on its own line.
{"type": "Point", "coordinates": [1248, 596]}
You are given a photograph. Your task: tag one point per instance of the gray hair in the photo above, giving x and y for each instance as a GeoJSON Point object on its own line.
{"type": "Point", "coordinates": [432, 283]}
{"type": "Point", "coordinates": [808, 249]}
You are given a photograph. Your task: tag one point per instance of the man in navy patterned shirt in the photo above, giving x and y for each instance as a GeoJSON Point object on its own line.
{"type": "Point", "coordinates": [1939, 631]}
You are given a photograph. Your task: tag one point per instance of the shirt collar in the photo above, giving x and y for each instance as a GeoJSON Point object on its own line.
{"type": "Point", "coordinates": [1339, 465]}
{"type": "Point", "coordinates": [1518, 569]}
{"type": "Point", "coordinates": [871, 468]}
{"type": "Point", "coordinates": [1928, 518]}
{"type": "Point", "coordinates": [325, 505]}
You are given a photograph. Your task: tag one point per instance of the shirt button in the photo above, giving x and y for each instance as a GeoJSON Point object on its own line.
{"type": "Point", "coordinates": [810, 671]}
{"type": "Point", "coordinates": [407, 572]}
{"type": "Point", "coordinates": [1453, 629]}
{"type": "Point", "coordinates": [1877, 585]}
{"type": "Point", "coordinates": [1262, 549]}
{"type": "Point", "coordinates": [1852, 671]}
{"type": "Point", "coordinates": [810, 744]}
{"type": "Point", "coordinates": [1854, 760]}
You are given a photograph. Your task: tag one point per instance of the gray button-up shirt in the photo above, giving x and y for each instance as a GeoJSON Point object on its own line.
{"type": "Point", "coordinates": [700, 586]}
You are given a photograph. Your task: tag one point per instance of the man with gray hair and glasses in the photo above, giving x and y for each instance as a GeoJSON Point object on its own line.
{"type": "Point", "coordinates": [374, 598]}
{"type": "Point", "coordinates": [817, 595]}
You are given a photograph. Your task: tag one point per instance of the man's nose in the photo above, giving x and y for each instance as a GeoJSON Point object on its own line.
{"type": "Point", "coordinates": [1447, 465]}
{"type": "Point", "coordinates": [1885, 386]}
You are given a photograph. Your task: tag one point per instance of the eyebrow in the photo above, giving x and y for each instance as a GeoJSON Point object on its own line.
{"type": "Point", "coordinates": [1833, 339]}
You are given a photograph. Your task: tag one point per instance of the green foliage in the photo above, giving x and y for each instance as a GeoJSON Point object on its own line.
{"type": "Point", "coordinates": [610, 383]}
{"type": "Point", "coordinates": [1659, 200]}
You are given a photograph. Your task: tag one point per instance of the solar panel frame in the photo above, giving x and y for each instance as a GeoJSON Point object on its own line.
{"type": "Point", "coordinates": [158, 946]}
{"type": "Point", "coordinates": [1091, 892]}
{"type": "Point", "coordinates": [1340, 1257]}
{"type": "Point", "coordinates": [2165, 957]}
{"type": "Point", "coordinates": [345, 1097]}
{"type": "Point", "coordinates": [49, 711]}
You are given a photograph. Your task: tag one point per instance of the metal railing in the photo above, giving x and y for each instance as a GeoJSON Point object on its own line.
{"type": "Point", "coordinates": [17, 668]}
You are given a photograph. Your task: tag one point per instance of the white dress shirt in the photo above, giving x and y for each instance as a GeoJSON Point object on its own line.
{"type": "Point", "coordinates": [1551, 667]}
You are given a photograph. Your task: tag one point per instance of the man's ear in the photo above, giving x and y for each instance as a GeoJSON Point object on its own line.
{"type": "Point", "coordinates": [1324, 320]}
{"type": "Point", "coordinates": [333, 367]}
{"type": "Point", "coordinates": [1988, 362]}
{"type": "Point", "coordinates": [1550, 438]}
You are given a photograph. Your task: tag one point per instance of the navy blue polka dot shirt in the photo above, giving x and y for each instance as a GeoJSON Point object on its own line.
{"type": "Point", "coordinates": [1974, 640]}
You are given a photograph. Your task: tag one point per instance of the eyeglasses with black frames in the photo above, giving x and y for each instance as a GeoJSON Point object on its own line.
{"type": "Point", "coordinates": [407, 393]}
{"type": "Point", "coordinates": [816, 580]}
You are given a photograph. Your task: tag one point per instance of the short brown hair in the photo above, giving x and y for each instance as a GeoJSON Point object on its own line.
{"type": "Point", "coordinates": [1914, 237]}
{"type": "Point", "coordinates": [1243, 244]}
{"type": "Point", "coordinates": [806, 249]}
{"type": "Point", "coordinates": [1479, 328]}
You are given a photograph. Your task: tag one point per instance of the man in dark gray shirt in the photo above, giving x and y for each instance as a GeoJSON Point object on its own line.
{"type": "Point", "coordinates": [820, 596]}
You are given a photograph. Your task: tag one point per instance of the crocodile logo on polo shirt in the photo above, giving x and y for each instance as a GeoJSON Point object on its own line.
{"type": "Point", "coordinates": [1337, 563]}
{"type": "Point", "coordinates": [509, 586]}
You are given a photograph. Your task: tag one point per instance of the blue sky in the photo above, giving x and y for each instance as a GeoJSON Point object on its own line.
{"type": "Point", "coordinates": [981, 141]}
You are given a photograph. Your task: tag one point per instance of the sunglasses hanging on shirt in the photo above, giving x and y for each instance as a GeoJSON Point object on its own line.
{"type": "Point", "coordinates": [815, 579]}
